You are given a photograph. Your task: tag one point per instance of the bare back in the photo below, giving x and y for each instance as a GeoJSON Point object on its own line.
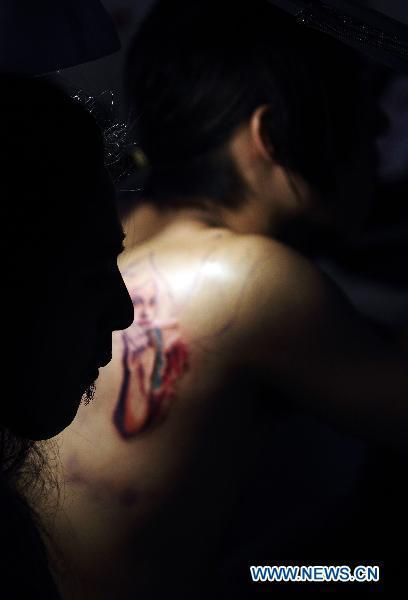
{"type": "Point", "coordinates": [151, 470]}
{"type": "Point", "coordinates": [159, 452]}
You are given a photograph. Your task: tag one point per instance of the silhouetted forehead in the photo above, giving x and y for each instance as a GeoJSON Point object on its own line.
{"type": "Point", "coordinates": [98, 234]}
{"type": "Point", "coordinates": [108, 231]}
{"type": "Point", "coordinates": [105, 240]}
{"type": "Point", "coordinates": [111, 243]}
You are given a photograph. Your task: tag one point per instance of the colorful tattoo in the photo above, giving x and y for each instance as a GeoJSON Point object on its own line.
{"type": "Point", "coordinates": [154, 356]}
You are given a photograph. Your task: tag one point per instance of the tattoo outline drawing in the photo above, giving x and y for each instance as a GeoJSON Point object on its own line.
{"type": "Point", "coordinates": [154, 355]}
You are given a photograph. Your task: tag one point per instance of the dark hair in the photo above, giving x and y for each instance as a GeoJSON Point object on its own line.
{"type": "Point", "coordinates": [197, 70]}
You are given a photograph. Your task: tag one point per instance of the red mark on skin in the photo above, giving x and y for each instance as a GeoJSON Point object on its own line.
{"type": "Point", "coordinates": [72, 472]}
{"type": "Point", "coordinates": [154, 358]}
{"type": "Point", "coordinates": [149, 384]}
{"type": "Point", "coordinates": [176, 363]}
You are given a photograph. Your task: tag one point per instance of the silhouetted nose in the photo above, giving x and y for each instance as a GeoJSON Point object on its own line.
{"type": "Point", "coordinates": [123, 311]}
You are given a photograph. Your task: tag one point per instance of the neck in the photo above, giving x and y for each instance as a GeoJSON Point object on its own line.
{"type": "Point", "coordinates": [146, 221]}
{"type": "Point", "coordinates": [254, 216]}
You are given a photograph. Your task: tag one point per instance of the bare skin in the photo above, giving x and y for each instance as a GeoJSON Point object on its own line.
{"type": "Point", "coordinates": [124, 468]}
{"type": "Point", "coordinates": [151, 469]}
{"type": "Point", "coordinates": [130, 490]}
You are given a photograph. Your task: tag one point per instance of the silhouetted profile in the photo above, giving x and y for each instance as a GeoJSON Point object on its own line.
{"type": "Point", "coordinates": [62, 295]}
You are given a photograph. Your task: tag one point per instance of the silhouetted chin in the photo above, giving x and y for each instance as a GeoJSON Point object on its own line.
{"type": "Point", "coordinates": [46, 421]}
{"type": "Point", "coordinates": [44, 425]}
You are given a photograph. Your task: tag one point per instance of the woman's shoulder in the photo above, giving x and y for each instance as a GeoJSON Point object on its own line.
{"type": "Point", "coordinates": [273, 283]}
{"type": "Point", "coordinates": [227, 286]}
{"type": "Point", "coordinates": [223, 286]}
{"type": "Point", "coordinates": [267, 271]}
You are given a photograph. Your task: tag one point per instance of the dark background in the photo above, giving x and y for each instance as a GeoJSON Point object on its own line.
{"type": "Point", "coordinates": [329, 498]}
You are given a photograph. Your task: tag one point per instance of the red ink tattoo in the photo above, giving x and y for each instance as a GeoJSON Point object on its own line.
{"type": "Point", "coordinates": [154, 359]}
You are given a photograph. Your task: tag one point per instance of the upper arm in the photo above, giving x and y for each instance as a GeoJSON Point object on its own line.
{"type": "Point", "coordinates": [300, 329]}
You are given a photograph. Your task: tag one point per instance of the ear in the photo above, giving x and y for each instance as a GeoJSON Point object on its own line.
{"type": "Point", "coordinates": [258, 133]}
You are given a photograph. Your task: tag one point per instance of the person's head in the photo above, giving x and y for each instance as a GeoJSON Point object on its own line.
{"type": "Point", "coordinates": [62, 292]}
{"type": "Point", "coordinates": [233, 100]}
